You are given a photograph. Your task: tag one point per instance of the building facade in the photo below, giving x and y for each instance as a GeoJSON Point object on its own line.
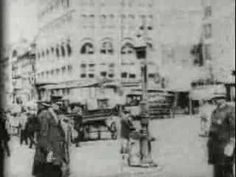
{"type": "Point", "coordinates": [85, 42]}
{"type": "Point", "coordinates": [219, 38]}
{"type": "Point", "coordinates": [23, 74]}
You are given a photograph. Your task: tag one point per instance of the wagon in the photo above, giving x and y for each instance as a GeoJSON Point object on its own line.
{"type": "Point", "coordinates": [97, 122]}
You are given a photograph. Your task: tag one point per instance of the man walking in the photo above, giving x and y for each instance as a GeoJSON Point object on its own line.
{"type": "Point", "coordinates": [50, 156]}
{"type": "Point", "coordinates": [221, 144]}
{"type": "Point", "coordinates": [126, 128]}
{"type": "Point", "coordinates": [23, 129]}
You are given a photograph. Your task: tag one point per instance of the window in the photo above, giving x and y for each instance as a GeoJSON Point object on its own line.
{"type": "Point", "coordinates": [103, 73]}
{"type": "Point", "coordinates": [91, 21]}
{"type": "Point", "coordinates": [150, 22]}
{"type": "Point", "coordinates": [103, 20]}
{"type": "Point", "coordinates": [62, 51]}
{"type": "Point", "coordinates": [69, 50]}
{"type": "Point", "coordinates": [111, 75]}
{"type": "Point", "coordinates": [87, 48]}
{"type": "Point", "coordinates": [151, 75]}
{"type": "Point", "coordinates": [47, 52]}
{"type": "Point", "coordinates": [83, 66]}
{"type": "Point", "coordinates": [57, 52]}
{"type": "Point", "coordinates": [207, 51]}
{"type": "Point", "coordinates": [128, 48]}
{"type": "Point", "coordinates": [124, 75]}
{"type": "Point", "coordinates": [208, 11]}
{"type": "Point", "coordinates": [208, 30]}
{"type": "Point", "coordinates": [52, 50]}
{"type": "Point", "coordinates": [91, 75]}
{"type": "Point", "coordinates": [132, 76]}
{"type": "Point", "coordinates": [107, 48]}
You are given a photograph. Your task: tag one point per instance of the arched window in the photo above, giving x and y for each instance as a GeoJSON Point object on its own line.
{"type": "Point", "coordinates": [87, 48]}
{"type": "Point", "coordinates": [63, 51]}
{"type": "Point", "coordinates": [47, 52]}
{"type": "Point", "coordinates": [68, 48]}
{"type": "Point", "coordinates": [52, 50]}
{"type": "Point", "coordinates": [107, 48]}
{"type": "Point", "coordinates": [128, 48]}
{"type": "Point", "coordinates": [57, 52]}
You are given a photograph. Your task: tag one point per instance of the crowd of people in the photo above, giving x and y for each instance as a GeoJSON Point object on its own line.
{"type": "Point", "coordinates": [50, 132]}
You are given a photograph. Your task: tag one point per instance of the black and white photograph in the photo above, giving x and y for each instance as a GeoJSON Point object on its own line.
{"type": "Point", "coordinates": [117, 88]}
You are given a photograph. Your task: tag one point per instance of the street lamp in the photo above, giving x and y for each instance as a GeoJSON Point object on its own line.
{"type": "Point", "coordinates": [145, 139]}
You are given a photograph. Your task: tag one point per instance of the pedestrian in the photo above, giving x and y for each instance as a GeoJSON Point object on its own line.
{"type": "Point", "coordinates": [126, 128]}
{"type": "Point", "coordinates": [221, 143]}
{"type": "Point", "coordinates": [205, 112]}
{"type": "Point", "coordinates": [23, 130]}
{"type": "Point", "coordinates": [50, 155]}
{"type": "Point", "coordinates": [78, 127]}
{"type": "Point", "coordinates": [31, 127]}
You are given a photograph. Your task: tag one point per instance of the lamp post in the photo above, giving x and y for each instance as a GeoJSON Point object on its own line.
{"type": "Point", "coordinates": [145, 139]}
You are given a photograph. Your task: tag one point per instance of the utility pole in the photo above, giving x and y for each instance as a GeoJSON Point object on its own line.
{"type": "Point", "coordinates": [145, 138]}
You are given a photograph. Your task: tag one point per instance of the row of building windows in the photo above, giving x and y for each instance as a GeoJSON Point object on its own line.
{"type": "Point", "coordinates": [109, 20]}
{"type": "Point", "coordinates": [87, 49]}
{"type": "Point", "coordinates": [107, 48]}
{"type": "Point", "coordinates": [63, 50]}
{"type": "Point", "coordinates": [124, 75]}
{"type": "Point", "coordinates": [56, 72]}
{"type": "Point", "coordinates": [123, 3]}
{"type": "Point", "coordinates": [54, 5]}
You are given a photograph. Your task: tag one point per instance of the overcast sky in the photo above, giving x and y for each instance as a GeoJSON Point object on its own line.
{"type": "Point", "coordinates": [20, 18]}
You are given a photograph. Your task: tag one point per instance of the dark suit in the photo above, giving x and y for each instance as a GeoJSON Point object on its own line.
{"type": "Point", "coordinates": [50, 138]}
{"type": "Point", "coordinates": [222, 131]}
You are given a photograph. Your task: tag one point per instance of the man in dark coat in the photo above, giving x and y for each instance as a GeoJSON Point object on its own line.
{"type": "Point", "coordinates": [126, 128]}
{"type": "Point", "coordinates": [4, 138]}
{"type": "Point", "coordinates": [31, 127]}
{"type": "Point", "coordinates": [50, 153]}
{"type": "Point", "coordinates": [221, 143]}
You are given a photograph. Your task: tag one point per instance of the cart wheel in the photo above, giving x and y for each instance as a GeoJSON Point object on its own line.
{"type": "Point", "coordinates": [113, 129]}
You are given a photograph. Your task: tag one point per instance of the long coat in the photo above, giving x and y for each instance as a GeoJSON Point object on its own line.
{"type": "Point", "coordinates": [50, 138]}
{"type": "Point", "coordinates": [222, 130]}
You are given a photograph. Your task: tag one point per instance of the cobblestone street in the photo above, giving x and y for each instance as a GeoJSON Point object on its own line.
{"type": "Point", "coordinates": [178, 150]}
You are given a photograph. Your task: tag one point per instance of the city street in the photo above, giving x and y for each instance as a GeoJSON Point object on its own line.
{"type": "Point", "coordinates": [178, 150]}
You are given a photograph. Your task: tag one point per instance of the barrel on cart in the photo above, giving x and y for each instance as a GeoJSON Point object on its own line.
{"type": "Point", "coordinates": [96, 122]}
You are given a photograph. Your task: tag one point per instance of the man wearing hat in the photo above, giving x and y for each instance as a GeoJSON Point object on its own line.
{"type": "Point", "coordinates": [50, 152]}
{"type": "Point", "coordinates": [126, 128]}
{"type": "Point", "coordinates": [221, 143]}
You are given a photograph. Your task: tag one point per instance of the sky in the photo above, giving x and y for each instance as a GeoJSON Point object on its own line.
{"type": "Point", "coordinates": [20, 20]}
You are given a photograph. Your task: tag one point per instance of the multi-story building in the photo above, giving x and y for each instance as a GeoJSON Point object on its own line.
{"type": "Point", "coordinates": [93, 40]}
{"type": "Point", "coordinates": [219, 38]}
{"type": "Point", "coordinates": [23, 74]}
{"type": "Point", "coordinates": [84, 42]}
{"type": "Point", "coordinates": [5, 72]}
